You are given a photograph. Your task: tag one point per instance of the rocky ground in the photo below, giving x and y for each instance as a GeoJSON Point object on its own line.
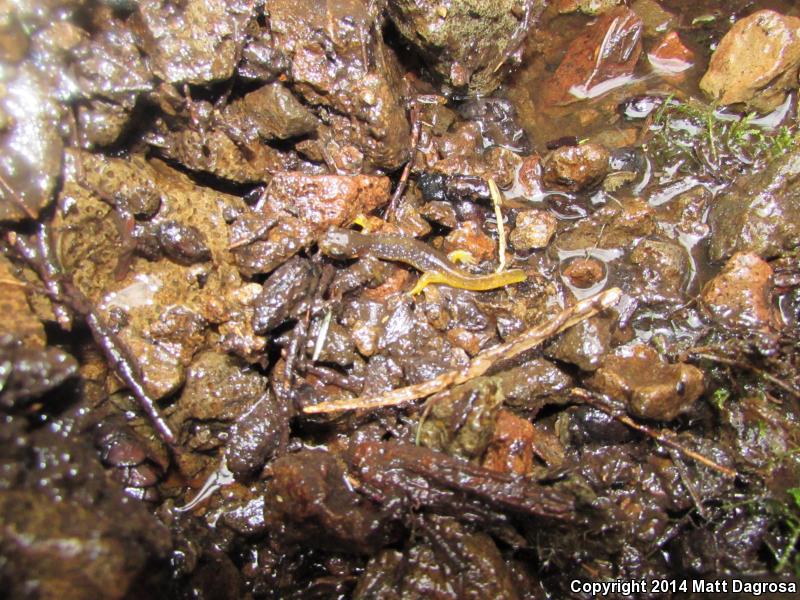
{"type": "Point", "coordinates": [397, 299]}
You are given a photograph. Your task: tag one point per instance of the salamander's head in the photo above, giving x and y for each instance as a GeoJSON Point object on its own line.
{"type": "Point", "coordinates": [337, 243]}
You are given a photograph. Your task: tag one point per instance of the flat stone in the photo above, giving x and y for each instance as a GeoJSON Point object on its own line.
{"type": "Point", "coordinates": [598, 60]}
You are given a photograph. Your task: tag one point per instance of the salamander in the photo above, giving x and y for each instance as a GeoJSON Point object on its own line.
{"type": "Point", "coordinates": [435, 267]}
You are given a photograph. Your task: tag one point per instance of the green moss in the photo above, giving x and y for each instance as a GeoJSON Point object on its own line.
{"type": "Point", "coordinates": [694, 138]}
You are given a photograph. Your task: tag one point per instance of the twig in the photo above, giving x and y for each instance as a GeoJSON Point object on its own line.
{"type": "Point", "coordinates": [662, 436]}
{"type": "Point", "coordinates": [331, 377]}
{"type": "Point", "coordinates": [497, 203]}
{"type": "Point", "coordinates": [15, 197]}
{"type": "Point", "coordinates": [482, 362]}
{"type": "Point", "coordinates": [122, 365]}
{"type": "Point", "coordinates": [687, 481]}
{"type": "Point", "coordinates": [53, 274]}
{"type": "Point", "coordinates": [14, 283]}
{"type": "Point", "coordinates": [322, 335]}
{"type": "Point", "coordinates": [416, 128]}
{"type": "Point", "coordinates": [745, 365]}
{"type": "Point", "coordinates": [64, 291]}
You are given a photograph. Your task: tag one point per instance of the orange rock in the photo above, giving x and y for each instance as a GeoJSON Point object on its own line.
{"type": "Point", "coordinates": [599, 60]}
{"type": "Point", "coordinates": [741, 293]}
{"type": "Point", "coordinates": [469, 236]}
{"type": "Point", "coordinates": [395, 283]}
{"type": "Point", "coordinates": [670, 55]}
{"type": "Point", "coordinates": [511, 447]}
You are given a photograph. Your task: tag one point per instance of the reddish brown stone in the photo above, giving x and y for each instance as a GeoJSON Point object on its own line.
{"type": "Point", "coordinates": [530, 175]}
{"type": "Point", "coordinates": [584, 272]}
{"type": "Point", "coordinates": [511, 447]}
{"type": "Point", "coordinates": [470, 237]}
{"type": "Point", "coordinates": [599, 59]}
{"type": "Point", "coordinates": [740, 294]}
{"type": "Point", "coordinates": [670, 55]}
{"type": "Point", "coordinates": [325, 200]}
{"type": "Point", "coordinates": [576, 168]}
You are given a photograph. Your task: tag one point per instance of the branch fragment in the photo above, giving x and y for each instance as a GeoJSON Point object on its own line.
{"type": "Point", "coordinates": [482, 362]}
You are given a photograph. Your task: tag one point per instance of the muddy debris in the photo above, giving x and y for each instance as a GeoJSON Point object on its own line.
{"type": "Point", "coordinates": [322, 299]}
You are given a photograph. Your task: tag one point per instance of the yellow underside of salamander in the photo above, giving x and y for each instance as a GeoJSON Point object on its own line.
{"type": "Point", "coordinates": [477, 283]}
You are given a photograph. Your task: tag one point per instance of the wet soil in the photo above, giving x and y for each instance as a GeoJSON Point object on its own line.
{"type": "Point", "coordinates": [396, 299]}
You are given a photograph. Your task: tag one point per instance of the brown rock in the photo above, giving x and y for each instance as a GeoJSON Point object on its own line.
{"type": "Point", "coordinates": [651, 388]}
{"type": "Point", "coordinates": [758, 213]}
{"type": "Point", "coordinates": [576, 167]}
{"type": "Point", "coordinates": [195, 41]}
{"type": "Point", "coordinates": [740, 294]}
{"type": "Point", "coordinates": [534, 229]}
{"type": "Point", "coordinates": [584, 272]}
{"type": "Point", "coordinates": [465, 43]}
{"type": "Point", "coordinates": [670, 55]}
{"type": "Point", "coordinates": [511, 447]}
{"type": "Point", "coordinates": [325, 200]}
{"type": "Point", "coordinates": [599, 59]}
{"type": "Point", "coordinates": [656, 20]}
{"type": "Point", "coordinates": [756, 61]}
{"type": "Point", "coordinates": [31, 145]}
{"type": "Point", "coordinates": [338, 60]}
{"type": "Point", "coordinates": [270, 112]}
{"type": "Point", "coordinates": [583, 345]}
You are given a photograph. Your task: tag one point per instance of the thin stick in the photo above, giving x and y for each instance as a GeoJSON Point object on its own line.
{"type": "Point", "coordinates": [497, 203]}
{"type": "Point", "coordinates": [416, 128]}
{"type": "Point", "coordinates": [731, 362]}
{"type": "Point", "coordinates": [66, 292]}
{"type": "Point", "coordinates": [663, 436]}
{"type": "Point", "coordinates": [15, 197]}
{"type": "Point", "coordinates": [322, 335]}
{"type": "Point", "coordinates": [14, 283]}
{"type": "Point", "coordinates": [482, 362]}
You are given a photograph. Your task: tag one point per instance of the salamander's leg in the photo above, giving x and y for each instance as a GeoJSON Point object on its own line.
{"type": "Point", "coordinates": [462, 257]}
{"type": "Point", "coordinates": [425, 280]}
{"type": "Point", "coordinates": [362, 221]}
